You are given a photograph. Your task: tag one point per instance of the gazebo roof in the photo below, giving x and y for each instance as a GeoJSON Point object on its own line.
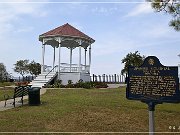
{"type": "Point", "coordinates": [66, 30]}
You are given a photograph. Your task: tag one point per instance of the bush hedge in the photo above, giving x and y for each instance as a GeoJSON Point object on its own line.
{"type": "Point", "coordinates": [79, 84]}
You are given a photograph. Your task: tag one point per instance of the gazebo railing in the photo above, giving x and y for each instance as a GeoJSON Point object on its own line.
{"type": "Point", "coordinates": [52, 70]}
{"type": "Point", "coordinates": [47, 68]}
{"type": "Point", "coordinates": [65, 67]}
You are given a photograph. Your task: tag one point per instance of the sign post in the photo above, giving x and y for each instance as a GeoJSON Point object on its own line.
{"type": "Point", "coordinates": [151, 108]}
{"type": "Point", "coordinates": [153, 83]}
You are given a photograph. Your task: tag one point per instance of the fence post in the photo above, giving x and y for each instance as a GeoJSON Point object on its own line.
{"type": "Point", "coordinates": [112, 78]}
{"type": "Point", "coordinates": [99, 78]}
{"type": "Point", "coordinates": [103, 76]}
{"type": "Point", "coordinates": [106, 78]}
{"type": "Point", "coordinates": [115, 78]}
{"type": "Point", "coordinates": [93, 78]}
{"type": "Point", "coordinates": [125, 77]}
{"type": "Point", "coordinates": [118, 78]}
{"type": "Point", "coordinates": [122, 78]}
{"type": "Point", "coordinates": [109, 78]}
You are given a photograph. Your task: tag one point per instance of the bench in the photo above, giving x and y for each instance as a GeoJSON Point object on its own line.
{"type": "Point", "coordinates": [20, 91]}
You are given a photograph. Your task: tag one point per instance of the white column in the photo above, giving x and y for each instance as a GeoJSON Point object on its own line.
{"type": "Point", "coordinates": [54, 57]}
{"type": "Point", "coordinates": [43, 53]}
{"type": "Point", "coordinates": [85, 57]}
{"type": "Point", "coordinates": [59, 64]}
{"type": "Point", "coordinates": [89, 55]}
{"type": "Point", "coordinates": [80, 57]}
{"type": "Point", "coordinates": [71, 58]}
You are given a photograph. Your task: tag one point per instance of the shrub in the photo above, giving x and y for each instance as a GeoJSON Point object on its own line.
{"type": "Point", "coordinates": [21, 83]}
{"type": "Point", "coordinates": [99, 84]}
{"type": "Point", "coordinates": [69, 86]}
{"type": "Point", "coordinates": [86, 85]}
{"type": "Point", "coordinates": [59, 81]}
{"type": "Point", "coordinates": [48, 86]}
{"type": "Point", "coordinates": [79, 84]}
{"type": "Point", "coordinates": [70, 82]}
{"type": "Point", "coordinates": [57, 84]}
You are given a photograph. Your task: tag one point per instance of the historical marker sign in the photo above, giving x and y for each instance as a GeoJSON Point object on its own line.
{"type": "Point", "coordinates": [153, 82]}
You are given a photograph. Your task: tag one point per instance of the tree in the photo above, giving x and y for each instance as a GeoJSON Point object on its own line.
{"type": "Point", "coordinates": [132, 59]}
{"type": "Point", "coordinates": [3, 72]}
{"type": "Point", "coordinates": [21, 67]}
{"type": "Point", "coordinates": [171, 7]}
{"type": "Point", "coordinates": [34, 68]}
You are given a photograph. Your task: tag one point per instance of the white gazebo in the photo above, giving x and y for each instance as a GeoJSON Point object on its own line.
{"type": "Point", "coordinates": [71, 38]}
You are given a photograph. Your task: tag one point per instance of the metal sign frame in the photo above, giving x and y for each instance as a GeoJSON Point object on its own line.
{"type": "Point", "coordinates": [153, 82]}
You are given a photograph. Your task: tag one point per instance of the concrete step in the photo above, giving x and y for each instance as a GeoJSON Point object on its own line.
{"type": "Point", "coordinates": [37, 85]}
{"type": "Point", "coordinates": [44, 74]}
{"type": "Point", "coordinates": [40, 80]}
{"type": "Point", "coordinates": [32, 83]}
{"type": "Point", "coordinates": [42, 77]}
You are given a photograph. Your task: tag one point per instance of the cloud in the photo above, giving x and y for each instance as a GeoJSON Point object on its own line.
{"type": "Point", "coordinates": [12, 12]}
{"type": "Point", "coordinates": [114, 46]}
{"type": "Point", "coordinates": [103, 10]}
{"type": "Point", "coordinates": [32, 9]}
{"type": "Point", "coordinates": [141, 9]}
{"type": "Point", "coordinates": [158, 32]}
{"type": "Point", "coordinates": [13, 17]}
{"type": "Point", "coordinates": [77, 25]}
{"type": "Point", "coordinates": [26, 29]}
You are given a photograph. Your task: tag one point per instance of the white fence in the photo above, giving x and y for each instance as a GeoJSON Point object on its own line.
{"type": "Point", "coordinates": [108, 78]}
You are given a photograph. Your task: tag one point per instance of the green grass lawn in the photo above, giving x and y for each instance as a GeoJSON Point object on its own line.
{"type": "Point", "coordinates": [88, 110]}
{"type": "Point", "coordinates": [2, 84]}
{"type": "Point", "coordinates": [8, 91]}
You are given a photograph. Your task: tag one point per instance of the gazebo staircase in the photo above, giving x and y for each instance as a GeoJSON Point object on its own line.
{"type": "Point", "coordinates": [43, 79]}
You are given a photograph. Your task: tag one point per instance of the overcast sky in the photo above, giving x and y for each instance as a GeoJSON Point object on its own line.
{"type": "Point", "coordinates": [119, 27]}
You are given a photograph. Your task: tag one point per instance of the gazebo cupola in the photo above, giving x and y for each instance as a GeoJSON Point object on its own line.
{"type": "Point", "coordinates": [71, 38]}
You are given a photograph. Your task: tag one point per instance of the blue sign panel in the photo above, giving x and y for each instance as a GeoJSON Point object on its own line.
{"type": "Point", "coordinates": [153, 82]}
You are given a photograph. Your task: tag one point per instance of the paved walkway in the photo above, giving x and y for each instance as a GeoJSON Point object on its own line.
{"type": "Point", "coordinates": [9, 104]}
{"type": "Point", "coordinates": [115, 85]}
